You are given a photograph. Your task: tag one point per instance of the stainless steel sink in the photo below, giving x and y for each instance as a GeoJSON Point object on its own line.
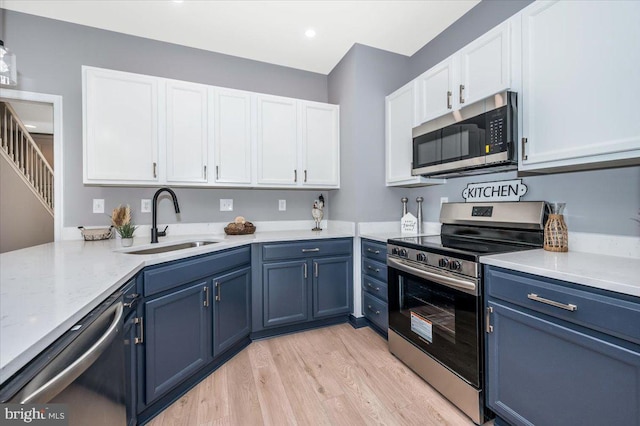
{"type": "Point", "coordinates": [173, 247]}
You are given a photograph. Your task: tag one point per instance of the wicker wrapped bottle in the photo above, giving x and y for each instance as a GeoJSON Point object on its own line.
{"type": "Point", "coordinates": [556, 236]}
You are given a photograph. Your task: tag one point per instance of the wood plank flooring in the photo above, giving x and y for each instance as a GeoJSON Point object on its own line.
{"type": "Point", "coordinates": [331, 376]}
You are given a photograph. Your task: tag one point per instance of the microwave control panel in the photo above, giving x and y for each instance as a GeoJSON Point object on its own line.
{"type": "Point", "coordinates": [497, 131]}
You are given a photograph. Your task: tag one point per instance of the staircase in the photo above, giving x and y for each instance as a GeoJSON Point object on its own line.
{"type": "Point", "coordinates": [20, 150]}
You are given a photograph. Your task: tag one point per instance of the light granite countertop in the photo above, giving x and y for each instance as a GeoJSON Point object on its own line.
{"type": "Point", "coordinates": [46, 289]}
{"type": "Point", "coordinates": [613, 273]}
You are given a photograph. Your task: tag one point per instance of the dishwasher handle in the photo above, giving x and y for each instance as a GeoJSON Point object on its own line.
{"type": "Point", "coordinates": [60, 381]}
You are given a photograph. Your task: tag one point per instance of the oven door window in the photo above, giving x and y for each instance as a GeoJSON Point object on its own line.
{"type": "Point", "coordinates": [439, 320]}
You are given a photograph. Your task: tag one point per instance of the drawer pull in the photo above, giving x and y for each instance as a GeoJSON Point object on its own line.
{"type": "Point", "coordinates": [373, 310]}
{"type": "Point", "coordinates": [568, 307]}
{"type": "Point", "coordinates": [375, 288]}
{"type": "Point", "coordinates": [373, 251]}
{"type": "Point", "coordinates": [310, 250]}
{"type": "Point", "coordinates": [373, 269]}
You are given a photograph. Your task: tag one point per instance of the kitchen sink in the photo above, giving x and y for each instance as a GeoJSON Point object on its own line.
{"type": "Point", "coordinates": [173, 247]}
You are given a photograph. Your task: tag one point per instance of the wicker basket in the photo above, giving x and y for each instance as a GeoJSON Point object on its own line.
{"type": "Point", "coordinates": [239, 228]}
{"type": "Point", "coordinates": [96, 234]}
{"type": "Point", "coordinates": [556, 236]}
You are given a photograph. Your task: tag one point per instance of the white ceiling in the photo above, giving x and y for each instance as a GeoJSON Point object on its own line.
{"type": "Point", "coordinates": [37, 116]}
{"type": "Point", "coordinates": [262, 30]}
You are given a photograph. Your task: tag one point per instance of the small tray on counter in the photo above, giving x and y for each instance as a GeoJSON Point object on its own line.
{"type": "Point", "coordinates": [96, 234]}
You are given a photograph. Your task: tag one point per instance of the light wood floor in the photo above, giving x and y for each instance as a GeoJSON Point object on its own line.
{"type": "Point", "coordinates": [331, 376]}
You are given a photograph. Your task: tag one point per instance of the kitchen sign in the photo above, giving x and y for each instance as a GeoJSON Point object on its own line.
{"type": "Point", "coordinates": [502, 190]}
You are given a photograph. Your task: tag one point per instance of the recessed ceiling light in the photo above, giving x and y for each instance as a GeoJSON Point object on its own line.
{"type": "Point", "coordinates": [30, 126]}
{"type": "Point", "coordinates": [311, 33]}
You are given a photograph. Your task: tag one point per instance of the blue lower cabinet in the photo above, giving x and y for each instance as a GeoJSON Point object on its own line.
{"type": "Point", "coordinates": [285, 293]}
{"type": "Point", "coordinates": [231, 309]}
{"type": "Point", "coordinates": [545, 367]}
{"type": "Point", "coordinates": [176, 338]}
{"type": "Point", "coordinates": [332, 289]}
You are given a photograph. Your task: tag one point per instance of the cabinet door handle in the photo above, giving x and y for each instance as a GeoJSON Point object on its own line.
{"type": "Point", "coordinates": [373, 251]}
{"type": "Point", "coordinates": [217, 172]}
{"type": "Point", "coordinates": [449, 94]}
{"type": "Point", "coordinates": [305, 269]}
{"type": "Point", "coordinates": [305, 175]}
{"type": "Point", "coordinates": [375, 288]}
{"type": "Point", "coordinates": [487, 320]}
{"type": "Point", "coordinates": [205, 172]}
{"type": "Point", "coordinates": [139, 340]}
{"type": "Point", "coordinates": [373, 269]}
{"type": "Point", "coordinates": [218, 292]}
{"type": "Point", "coordinates": [524, 144]}
{"type": "Point", "coordinates": [295, 175]}
{"type": "Point", "coordinates": [310, 250]}
{"type": "Point", "coordinates": [155, 169]}
{"type": "Point", "coordinates": [462, 93]}
{"type": "Point", "coordinates": [206, 296]}
{"type": "Point", "coordinates": [568, 307]}
{"type": "Point", "coordinates": [315, 269]}
{"type": "Point", "coordinates": [373, 310]}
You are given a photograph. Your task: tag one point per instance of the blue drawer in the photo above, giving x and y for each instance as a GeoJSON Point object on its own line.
{"type": "Point", "coordinates": [375, 287]}
{"type": "Point", "coordinates": [309, 248]}
{"type": "Point", "coordinates": [374, 250]}
{"type": "Point", "coordinates": [375, 311]}
{"type": "Point", "coordinates": [374, 269]}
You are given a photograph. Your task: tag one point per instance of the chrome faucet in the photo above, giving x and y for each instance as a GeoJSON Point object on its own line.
{"type": "Point", "coordinates": [154, 225]}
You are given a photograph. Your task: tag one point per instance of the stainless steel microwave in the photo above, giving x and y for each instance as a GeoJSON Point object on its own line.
{"type": "Point", "coordinates": [482, 143]}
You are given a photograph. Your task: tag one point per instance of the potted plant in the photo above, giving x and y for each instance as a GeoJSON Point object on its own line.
{"type": "Point", "coordinates": [121, 219]}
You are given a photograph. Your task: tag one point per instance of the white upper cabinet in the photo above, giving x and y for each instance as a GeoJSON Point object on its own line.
{"type": "Point", "coordinates": [435, 90]}
{"type": "Point", "coordinates": [277, 141]}
{"type": "Point", "coordinates": [233, 137]}
{"type": "Point", "coordinates": [480, 69]}
{"type": "Point", "coordinates": [120, 114]}
{"type": "Point", "coordinates": [186, 132]}
{"type": "Point", "coordinates": [320, 144]}
{"type": "Point", "coordinates": [399, 122]}
{"type": "Point", "coordinates": [485, 66]}
{"type": "Point", "coordinates": [580, 85]}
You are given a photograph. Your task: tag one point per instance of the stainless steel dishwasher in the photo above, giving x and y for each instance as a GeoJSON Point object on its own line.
{"type": "Point", "coordinates": [84, 369]}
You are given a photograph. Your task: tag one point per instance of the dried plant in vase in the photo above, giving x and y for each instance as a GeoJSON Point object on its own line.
{"type": "Point", "coordinates": [121, 219]}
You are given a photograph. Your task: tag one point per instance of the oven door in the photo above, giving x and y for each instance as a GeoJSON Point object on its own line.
{"type": "Point", "coordinates": [439, 313]}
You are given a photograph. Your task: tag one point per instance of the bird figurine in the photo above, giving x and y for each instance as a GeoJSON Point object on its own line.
{"type": "Point", "coordinates": [317, 212]}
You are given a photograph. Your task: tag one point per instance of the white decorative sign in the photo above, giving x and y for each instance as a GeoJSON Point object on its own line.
{"type": "Point", "coordinates": [409, 224]}
{"type": "Point", "coordinates": [502, 190]}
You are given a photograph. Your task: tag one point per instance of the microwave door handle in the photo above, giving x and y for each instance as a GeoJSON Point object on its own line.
{"type": "Point", "coordinates": [466, 286]}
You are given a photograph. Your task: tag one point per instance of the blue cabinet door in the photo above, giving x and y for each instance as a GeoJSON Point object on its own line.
{"type": "Point", "coordinates": [231, 309]}
{"type": "Point", "coordinates": [544, 371]}
{"type": "Point", "coordinates": [176, 338]}
{"type": "Point", "coordinates": [285, 292]}
{"type": "Point", "coordinates": [332, 286]}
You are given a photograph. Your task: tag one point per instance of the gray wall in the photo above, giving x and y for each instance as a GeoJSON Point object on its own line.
{"type": "Point", "coordinates": [24, 222]}
{"type": "Point", "coordinates": [359, 84]}
{"type": "Point", "coordinates": [50, 54]}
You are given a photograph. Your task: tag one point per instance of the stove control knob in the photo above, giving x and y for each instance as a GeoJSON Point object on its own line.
{"type": "Point", "coordinates": [394, 250]}
{"type": "Point", "coordinates": [443, 262]}
{"type": "Point", "coordinates": [421, 257]}
{"type": "Point", "coordinates": [403, 253]}
{"type": "Point", "coordinates": [455, 265]}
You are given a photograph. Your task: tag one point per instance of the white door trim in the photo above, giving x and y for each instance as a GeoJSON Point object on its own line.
{"type": "Point", "coordinates": [58, 158]}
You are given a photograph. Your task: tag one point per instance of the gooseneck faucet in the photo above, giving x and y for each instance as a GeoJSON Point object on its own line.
{"type": "Point", "coordinates": [154, 225]}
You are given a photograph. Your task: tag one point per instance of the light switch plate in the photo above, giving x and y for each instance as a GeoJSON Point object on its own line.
{"type": "Point", "coordinates": [282, 205]}
{"type": "Point", "coordinates": [226, 205]}
{"type": "Point", "coordinates": [98, 205]}
{"type": "Point", "coordinates": [145, 206]}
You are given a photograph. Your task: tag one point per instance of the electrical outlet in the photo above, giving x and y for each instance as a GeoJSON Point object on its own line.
{"type": "Point", "coordinates": [98, 205]}
{"type": "Point", "coordinates": [226, 205]}
{"type": "Point", "coordinates": [444, 200]}
{"type": "Point", "coordinates": [282, 205]}
{"type": "Point", "coordinates": [145, 206]}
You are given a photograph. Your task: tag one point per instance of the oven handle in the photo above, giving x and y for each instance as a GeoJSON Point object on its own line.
{"type": "Point", "coordinates": [466, 286]}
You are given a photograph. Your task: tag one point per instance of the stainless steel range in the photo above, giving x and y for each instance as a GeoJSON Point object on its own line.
{"type": "Point", "coordinates": [435, 293]}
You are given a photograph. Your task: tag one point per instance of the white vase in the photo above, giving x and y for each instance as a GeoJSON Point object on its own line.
{"type": "Point", "coordinates": [126, 242]}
